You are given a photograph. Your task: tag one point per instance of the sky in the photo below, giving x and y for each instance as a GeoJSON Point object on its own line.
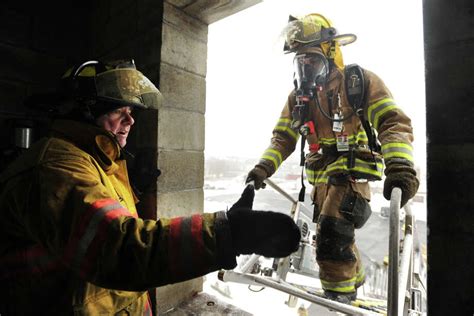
{"type": "Point", "coordinates": [249, 77]}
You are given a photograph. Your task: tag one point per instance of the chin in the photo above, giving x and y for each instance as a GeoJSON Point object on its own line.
{"type": "Point", "coordinates": [122, 142]}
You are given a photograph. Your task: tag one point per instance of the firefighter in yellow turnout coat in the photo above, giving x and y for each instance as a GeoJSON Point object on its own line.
{"type": "Point", "coordinates": [71, 242]}
{"type": "Point", "coordinates": [343, 155]}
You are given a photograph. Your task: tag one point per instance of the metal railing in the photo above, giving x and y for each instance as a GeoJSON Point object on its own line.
{"type": "Point", "coordinates": [404, 298]}
{"type": "Point", "coordinates": [406, 291]}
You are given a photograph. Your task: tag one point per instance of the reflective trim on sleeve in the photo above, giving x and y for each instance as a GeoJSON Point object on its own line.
{"type": "Point", "coordinates": [378, 109]}
{"type": "Point", "coordinates": [198, 247]}
{"type": "Point", "coordinates": [186, 251]}
{"type": "Point", "coordinates": [397, 150]}
{"type": "Point", "coordinates": [274, 156]}
{"type": "Point", "coordinates": [185, 246]}
{"type": "Point", "coordinates": [284, 125]}
{"type": "Point", "coordinates": [174, 244]}
{"type": "Point", "coordinates": [87, 238]}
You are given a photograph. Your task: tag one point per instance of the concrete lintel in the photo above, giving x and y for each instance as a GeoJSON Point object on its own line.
{"type": "Point", "coordinates": [210, 11]}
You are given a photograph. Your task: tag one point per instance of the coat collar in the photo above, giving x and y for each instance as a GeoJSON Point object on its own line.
{"type": "Point", "coordinates": [94, 140]}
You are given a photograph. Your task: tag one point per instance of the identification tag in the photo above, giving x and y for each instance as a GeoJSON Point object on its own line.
{"type": "Point", "coordinates": [337, 126]}
{"type": "Point", "coordinates": [342, 142]}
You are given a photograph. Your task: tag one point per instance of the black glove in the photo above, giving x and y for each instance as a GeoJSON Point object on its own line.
{"type": "Point", "coordinates": [403, 176]}
{"type": "Point", "coordinates": [143, 175]}
{"type": "Point", "coordinates": [257, 175]}
{"type": "Point", "coordinates": [266, 233]}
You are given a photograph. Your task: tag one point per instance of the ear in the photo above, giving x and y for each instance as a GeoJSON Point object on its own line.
{"type": "Point", "coordinates": [246, 199]}
{"type": "Point", "coordinates": [291, 18]}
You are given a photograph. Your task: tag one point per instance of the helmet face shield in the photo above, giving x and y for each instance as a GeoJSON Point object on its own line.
{"type": "Point", "coordinates": [128, 86]}
{"type": "Point", "coordinates": [311, 71]}
{"type": "Point", "coordinates": [299, 32]}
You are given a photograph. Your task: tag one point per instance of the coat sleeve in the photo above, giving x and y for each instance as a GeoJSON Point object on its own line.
{"type": "Point", "coordinates": [393, 126]}
{"type": "Point", "coordinates": [101, 241]}
{"type": "Point", "coordinates": [283, 141]}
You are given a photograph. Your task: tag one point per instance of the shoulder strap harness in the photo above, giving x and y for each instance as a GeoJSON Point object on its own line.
{"type": "Point", "coordinates": [356, 95]}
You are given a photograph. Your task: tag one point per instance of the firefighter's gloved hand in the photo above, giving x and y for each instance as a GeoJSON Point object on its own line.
{"type": "Point", "coordinates": [403, 176]}
{"type": "Point", "coordinates": [257, 175]}
{"type": "Point", "coordinates": [143, 178]}
{"type": "Point", "coordinates": [142, 173]}
{"type": "Point", "coordinates": [267, 233]}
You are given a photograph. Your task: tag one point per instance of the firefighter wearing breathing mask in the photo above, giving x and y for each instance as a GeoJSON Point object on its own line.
{"type": "Point", "coordinates": [352, 125]}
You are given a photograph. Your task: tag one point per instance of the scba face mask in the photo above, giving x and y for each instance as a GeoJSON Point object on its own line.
{"type": "Point", "coordinates": [311, 73]}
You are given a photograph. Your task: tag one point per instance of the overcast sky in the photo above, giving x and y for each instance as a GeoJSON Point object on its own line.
{"type": "Point", "coordinates": [249, 76]}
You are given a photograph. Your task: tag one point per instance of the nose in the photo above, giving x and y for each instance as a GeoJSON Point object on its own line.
{"type": "Point", "coordinates": [128, 118]}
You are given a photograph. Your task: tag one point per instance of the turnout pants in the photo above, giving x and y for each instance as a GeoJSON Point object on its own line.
{"type": "Point", "coordinates": [340, 207]}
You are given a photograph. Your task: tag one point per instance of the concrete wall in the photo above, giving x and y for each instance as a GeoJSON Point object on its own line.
{"type": "Point", "coordinates": [181, 121]}
{"type": "Point", "coordinates": [181, 129]}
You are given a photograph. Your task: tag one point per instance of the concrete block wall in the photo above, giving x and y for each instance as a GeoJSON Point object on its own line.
{"type": "Point", "coordinates": [181, 129]}
{"type": "Point", "coordinates": [181, 119]}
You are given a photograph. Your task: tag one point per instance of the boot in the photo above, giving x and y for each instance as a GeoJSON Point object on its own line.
{"type": "Point", "coordinates": [344, 298]}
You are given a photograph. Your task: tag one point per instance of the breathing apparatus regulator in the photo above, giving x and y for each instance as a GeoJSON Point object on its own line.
{"type": "Point", "coordinates": [310, 77]}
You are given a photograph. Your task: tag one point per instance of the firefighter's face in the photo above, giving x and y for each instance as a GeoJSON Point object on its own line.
{"type": "Point", "coordinates": [119, 122]}
{"type": "Point", "coordinates": [311, 71]}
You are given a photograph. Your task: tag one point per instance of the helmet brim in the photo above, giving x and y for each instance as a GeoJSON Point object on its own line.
{"type": "Point", "coordinates": [342, 40]}
{"type": "Point", "coordinates": [345, 39]}
{"type": "Point", "coordinates": [129, 87]}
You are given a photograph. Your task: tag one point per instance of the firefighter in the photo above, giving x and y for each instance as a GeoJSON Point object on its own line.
{"type": "Point", "coordinates": [70, 238]}
{"type": "Point", "coordinates": [344, 113]}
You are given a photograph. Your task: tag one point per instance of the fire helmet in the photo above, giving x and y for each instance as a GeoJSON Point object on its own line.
{"type": "Point", "coordinates": [312, 30]}
{"type": "Point", "coordinates": [92, 88]}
